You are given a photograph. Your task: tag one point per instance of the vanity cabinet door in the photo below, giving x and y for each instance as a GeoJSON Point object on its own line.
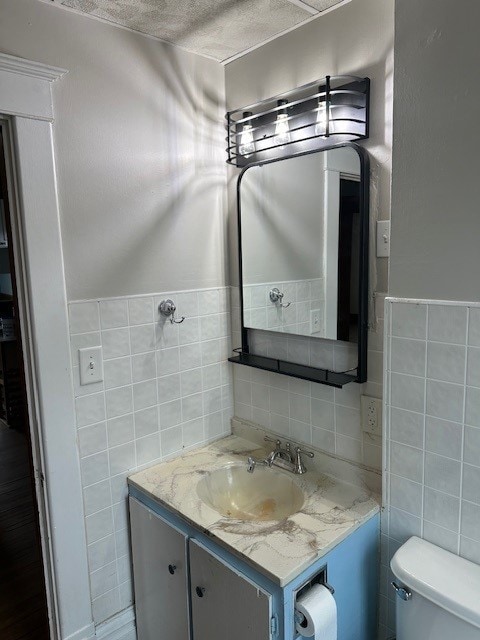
{"type": "Point", "coordinates": [160, 576]}
{"type": "Point", "coordinates": [225, 604]}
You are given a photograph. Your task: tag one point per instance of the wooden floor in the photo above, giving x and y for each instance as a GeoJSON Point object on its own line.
{"type": "Point", "coordinates": [23, 612]}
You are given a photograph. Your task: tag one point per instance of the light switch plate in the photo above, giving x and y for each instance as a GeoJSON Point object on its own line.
{"type": "Point", "coordinates": [383, 238]}
{"type": "Point", "coordinates": [91, 365]}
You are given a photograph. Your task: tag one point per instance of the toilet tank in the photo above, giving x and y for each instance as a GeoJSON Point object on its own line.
{"type": "Point", "coordinates": [441, 600]}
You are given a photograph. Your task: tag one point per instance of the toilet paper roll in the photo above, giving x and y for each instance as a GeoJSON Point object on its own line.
{"type": "Point", "coordinates": [319, 611]}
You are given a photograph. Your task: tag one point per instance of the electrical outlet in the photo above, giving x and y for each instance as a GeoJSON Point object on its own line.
{"type": "Point", "coordinates": [91, 365]}
{"type": "Point", "coordinates": [383, 238]}
{"type": "Point", "coordinates": [371, 415]}
{"type": "Point", "coordinates": [315, 321]}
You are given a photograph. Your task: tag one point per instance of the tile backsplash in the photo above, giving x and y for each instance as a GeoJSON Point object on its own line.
{"type": "Point", "coordinates": [166, 387]}
{"type": "Point", "coordinates": [304, 411]}
{"type": "Point", "coordinates": [432, 432]}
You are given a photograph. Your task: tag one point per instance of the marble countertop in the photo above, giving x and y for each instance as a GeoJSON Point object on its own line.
{"type": "Point", "coordinates": [280, 550]}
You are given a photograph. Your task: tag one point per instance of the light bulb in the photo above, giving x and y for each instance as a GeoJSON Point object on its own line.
{"type": "Point", "coordinates": [282, 129]}
{"type": "Point", "coordinates": [247, 145]}
{"type": "Point", "coordinates": [321, 124]}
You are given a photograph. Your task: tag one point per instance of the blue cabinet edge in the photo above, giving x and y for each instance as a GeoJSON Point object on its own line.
{"type": "Point", "coordinates": [352, 570]}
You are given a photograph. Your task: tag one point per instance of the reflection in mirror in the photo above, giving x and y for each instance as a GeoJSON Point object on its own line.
{"type": "Point", "coordinates": [300, 239]}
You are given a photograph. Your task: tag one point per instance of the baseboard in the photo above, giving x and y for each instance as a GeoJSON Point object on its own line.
{"type": "Point", "coordinates": [86, 633]}
{"type": "Point", "coordinates": [118, 627]}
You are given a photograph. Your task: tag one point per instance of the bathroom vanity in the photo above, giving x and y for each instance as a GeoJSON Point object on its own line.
{"type": "Point", "coordinates": [208, 570]}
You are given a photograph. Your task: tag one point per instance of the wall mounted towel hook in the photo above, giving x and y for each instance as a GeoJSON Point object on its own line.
{"type": "Point", "coordinates": [277, 296]}
{"type": "Point", "coordinates": [167, 309]}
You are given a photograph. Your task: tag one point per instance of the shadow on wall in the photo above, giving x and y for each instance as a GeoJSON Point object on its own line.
{"type": "Point", "coordinates": [158, 160]}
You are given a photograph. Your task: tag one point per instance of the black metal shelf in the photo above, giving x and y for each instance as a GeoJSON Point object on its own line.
{"type": "Point", "coordinates": [324, 376]}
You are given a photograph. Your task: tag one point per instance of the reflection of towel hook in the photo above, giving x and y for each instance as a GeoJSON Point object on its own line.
{"type": "Point", "coordinates": [277, 296]}
{"type": "Point", "coordinates": [167, 308]}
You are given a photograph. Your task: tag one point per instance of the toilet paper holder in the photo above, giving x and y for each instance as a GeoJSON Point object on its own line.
{"type": "Point", "coordinates": [319, 578]}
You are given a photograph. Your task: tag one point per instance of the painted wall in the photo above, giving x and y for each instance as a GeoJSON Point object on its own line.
{"type": "Point", "coordinates": [435, 189]}
{"type": "Point", "coordinates": [141, 183]}
{"type": "Point", "coordinates": [139, 148]}
{"type": "Point", "coordinates": [432, 433]}
{"type": "Point", "coordinates": [354, 39]}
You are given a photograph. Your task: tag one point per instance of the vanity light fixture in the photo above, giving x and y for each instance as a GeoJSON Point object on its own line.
{"type": "Point", "coordinates": [323, 126]}
{"type": "Point", "coordinates": [282, 128]}
{"type": "Point", "coordinates": [320, 114]}
{"type": "Point", "coordinates": [247, 145]}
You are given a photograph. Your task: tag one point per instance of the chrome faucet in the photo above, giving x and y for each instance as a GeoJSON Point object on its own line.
{"type": "Point", "coordinates": [281, 458]}
{"type": "Point", "coordinates": [278, 452]}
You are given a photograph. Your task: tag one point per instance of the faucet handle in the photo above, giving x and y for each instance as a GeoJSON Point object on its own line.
{"type": "Point", "coordinates": [299, 450]}
{"type": "Point", "coordinates": [278, 443]}
{"type": "Point", "coordinates": [300, 468]}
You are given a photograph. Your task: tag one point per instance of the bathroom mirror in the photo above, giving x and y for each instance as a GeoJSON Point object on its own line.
{"type": "Point", "coordinates": [303, 227]}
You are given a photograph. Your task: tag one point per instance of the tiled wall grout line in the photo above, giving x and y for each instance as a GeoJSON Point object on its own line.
{"type": "Point", "coordinates": [431, 501]}
{"type": "Point", "coordinates": [109, 475]}
{"type": "Point", "coordinates": [203, 397]}
{"type": "Point", "coordinates": [136, 296]}
{"type": "Point", "coordinates": [387, 400]}
{"type": "Point", "coordinates": [464, 412]}
{"type": "Point", "coordinates": [438, 455]}
{"type": "Point", "coordinates": [422, 525]}
{"type": "Point", "coordinates": [388, 358]}
{"type": "Point", "coordinates": [102, 410]}
{"type": "Point", "coordinates": [157, 398]}
{"type": "Point", "coordinates": [131, 376]}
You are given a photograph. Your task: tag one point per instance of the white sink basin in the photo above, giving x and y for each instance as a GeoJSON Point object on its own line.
{"type": "Point", "coordinates": [265, 494]}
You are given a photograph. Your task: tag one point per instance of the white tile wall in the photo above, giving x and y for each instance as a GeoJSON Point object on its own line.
{"type": "Point", "coordinates": [309, 412]}
{"type": "Point", "coordinates": [166, 388]}
{"type": "Point", "coordinates": [302, 296]}
{"type": "Point", "coordinates": [432, 432]}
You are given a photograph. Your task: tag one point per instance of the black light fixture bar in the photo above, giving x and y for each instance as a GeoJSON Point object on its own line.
{"type": "Point", "coordinates": [233, 126]}
{"type": "Point", "coordinates": [293, 103]}
{"type": "Point", "coordinates": [319, 114]}
{"type": "Point", "coordinates": [234, 133]}
{"type": "Point", "coordinates": [355, 136]}
{"type": "Point", "coordinates": [298, 91]}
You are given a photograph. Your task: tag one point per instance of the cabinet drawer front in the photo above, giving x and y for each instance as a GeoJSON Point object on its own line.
{"type": "Point", "coordinates": [160, 576]}
{"type": "Point", "coordinates": [225, 604]}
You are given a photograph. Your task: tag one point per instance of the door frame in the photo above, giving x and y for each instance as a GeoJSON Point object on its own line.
{"type": "Point", "coordinates": [27, 116]}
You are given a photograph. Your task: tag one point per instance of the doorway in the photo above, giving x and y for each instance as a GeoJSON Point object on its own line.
{"type": "Point", "coordinates": [23, 599]}
{"type": "Point", "coordinates": [348, 259]}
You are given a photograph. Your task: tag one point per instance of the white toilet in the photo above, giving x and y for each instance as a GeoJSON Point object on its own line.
{"type": "Point", "coordinates": [438, 593]}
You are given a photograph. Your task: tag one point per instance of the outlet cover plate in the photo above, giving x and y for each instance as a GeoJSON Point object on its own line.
{"type": "Point", "coordinates": [371, 410]}
{"type": "Point", "coordinates": [315, 321]}
{"type": "Point", "coordinates": [383, 238]}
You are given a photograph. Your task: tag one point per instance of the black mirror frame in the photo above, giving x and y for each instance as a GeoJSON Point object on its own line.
{"type": "Point", "coordinates": [298, 370]}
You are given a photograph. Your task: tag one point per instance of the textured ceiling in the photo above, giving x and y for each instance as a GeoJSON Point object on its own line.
{"type": "Point", "coordinates": [219, 29]}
